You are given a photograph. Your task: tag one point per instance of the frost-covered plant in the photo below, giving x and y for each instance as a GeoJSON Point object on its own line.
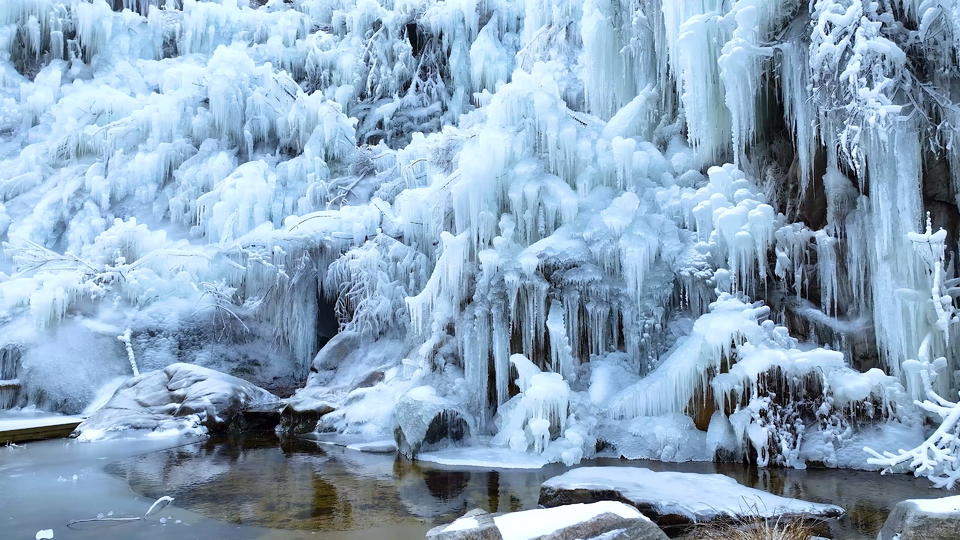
{"type": "Point", "coordinates": [938, 457]}
{"type": "Point", "coordinates": [369, 284]}
{"type": "Point", "coordinates": [860, 75]}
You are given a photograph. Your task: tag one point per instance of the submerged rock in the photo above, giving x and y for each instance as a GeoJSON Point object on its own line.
{"type": "Point", "coordinates": [923, 519]}
{"type": "Point", "coordinates": [615, 519]}
{"type": "Point", "coordinates": [181, 397]}
{"type": "Point", "coordinates": [673, 499]}
{"type": "Point", "coordinates": [424, 419]}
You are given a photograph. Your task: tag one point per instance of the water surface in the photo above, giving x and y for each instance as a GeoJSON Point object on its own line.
{"type": "Point", "coordinates": [302, 485]}
{"type": "Point", "coordinates": [264, 488]}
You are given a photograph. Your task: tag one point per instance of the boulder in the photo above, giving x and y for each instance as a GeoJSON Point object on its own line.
{"type": "Point", "coordinates": [641, 530]}
{"type": "Point", "coordinates": [425, 420]}
{"type": "Point", "coordinates": [476, 524]}
{"type": "Point", "coordinates": [181, 397]}
{"type": "Point", "coordinates": [677, 500]}
{"type": "Point", "coordinates": [302, 411]}
{"type": "Point", "coordinates": [926, 519]}
{"type": "Point", "coordinates": [615, 519]}
{"type": "Point", "coordinates": [333, 354]}
{"type": "Point", "coordinates": [258, 418]}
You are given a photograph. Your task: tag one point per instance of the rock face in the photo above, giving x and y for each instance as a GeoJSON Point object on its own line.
{"type": "Point", "coordinates": [560, 523]}
{"type": "Point", "coordinates": [673, 499]}
{"type": "Point", "coordinates": [180, 397]}
{"type": "Point", "coordinates": [923, 519]}
{"type": "Point", "coordinates": [425, 419]}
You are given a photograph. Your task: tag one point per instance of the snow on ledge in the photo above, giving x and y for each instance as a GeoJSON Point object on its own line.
{"type": "Point", "coordinates": [698, 497]}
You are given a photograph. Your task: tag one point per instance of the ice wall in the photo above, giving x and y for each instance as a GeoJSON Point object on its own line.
{"type": "Point", "coordinates": [589, 186]}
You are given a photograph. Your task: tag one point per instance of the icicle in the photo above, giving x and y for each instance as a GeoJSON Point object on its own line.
{"type": "Point", "coordinates": [827, 271]}
{"type": "Point", "coordinates": [561, 357]}
{"type": "Point", "coordinates": [694, 38]}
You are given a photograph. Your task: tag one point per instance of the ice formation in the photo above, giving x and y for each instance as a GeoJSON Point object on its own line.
{"type": "Point", "coordinates": [576, 223]}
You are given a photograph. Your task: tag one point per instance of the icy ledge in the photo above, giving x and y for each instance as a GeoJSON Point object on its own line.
{"type": "Point", "coordinates": [677, 499]}
{"type": "Point", "coordinates": [179, 399]}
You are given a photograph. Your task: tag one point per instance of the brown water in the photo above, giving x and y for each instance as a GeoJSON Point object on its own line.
{"type": "Point", "coordinates": [302, 486]}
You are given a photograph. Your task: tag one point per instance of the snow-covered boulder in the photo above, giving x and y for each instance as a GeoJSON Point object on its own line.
{"type": "Point", "coordinates": [180, 398]}
{"type": "Point", "coordinates": [355, 379]}
{"type": "Point", "coordinates": [333, 354]}
{"type": "Point", "coordinates": [923, 519]}
{"type": "Point", "coordinates": [677, 499]}
{"type": "Point", "coordinates": [612, 518]}
{"type": "Point", "coordinates": [477, 524]}
{"type": "Point", "coordinates": [425, 419]}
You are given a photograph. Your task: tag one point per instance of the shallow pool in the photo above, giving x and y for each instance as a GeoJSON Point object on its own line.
{"type": "Point", "coordinates": [262, 487]}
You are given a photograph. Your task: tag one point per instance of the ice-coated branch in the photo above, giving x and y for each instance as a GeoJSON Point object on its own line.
{"type": "Point", "coordinates": [937, 457]}
{"type": "Point", "coordinates": [126, 339]}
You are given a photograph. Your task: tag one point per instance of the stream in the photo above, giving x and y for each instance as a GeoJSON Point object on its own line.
{"type": "Point", "coordinates": [264, 487]}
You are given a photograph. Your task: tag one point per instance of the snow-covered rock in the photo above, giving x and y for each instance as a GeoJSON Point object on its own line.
{"type": "Point", "coordinates": [477, 524]}
{"type": "Point", "coordinates": [300, 415]}
{"type": "Point", "coordinates": [674, 498]}
{"type": "Point", "coordinates": [181, 398]}
{"type": "Point", "coordinates": [425, 419]}
{"type": "Point", "coordinates": [923, 519]}
{"type": "Point", "coordinates": [353, 387]}
{"type": "Point", "coordinates": [570, 522]}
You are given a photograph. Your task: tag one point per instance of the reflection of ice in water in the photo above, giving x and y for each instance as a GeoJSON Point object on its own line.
{"type": "Point", "coordinates": [299, 484]}
{"type": "Point", "coordinates": [303, 485]}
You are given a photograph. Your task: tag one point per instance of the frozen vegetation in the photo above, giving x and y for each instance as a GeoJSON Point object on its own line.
{"type": "Point", "coordinates": [683, 230]}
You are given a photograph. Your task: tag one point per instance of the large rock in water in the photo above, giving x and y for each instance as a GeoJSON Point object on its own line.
{"type": "Point", "coordinates": [424, 420]}
{"type": "Point", "coordinates": [677, 500]}
{"type": "Point", "coordinates": [302, 411]}
{"type": "Point", "coordinates": [571, 522]}
{"type": "Point", "coordinates": [180, 397]}
{"type": "Point", "coordinates": [923, 519]}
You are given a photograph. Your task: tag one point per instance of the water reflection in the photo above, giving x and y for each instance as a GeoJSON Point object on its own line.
{"type": "Point", "coordinates": [298, 484]}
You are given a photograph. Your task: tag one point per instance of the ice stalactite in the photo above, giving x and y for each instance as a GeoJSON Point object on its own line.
{"type": "Point", "coordinates": [798, 109]}
{"type": "Point", "coordinates": [895, 211]}
{"type": "Point", "coordinates": [695, 36]}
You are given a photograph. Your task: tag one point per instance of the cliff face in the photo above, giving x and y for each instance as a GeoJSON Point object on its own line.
{"type": "Point", "coordinates": [683, 230]}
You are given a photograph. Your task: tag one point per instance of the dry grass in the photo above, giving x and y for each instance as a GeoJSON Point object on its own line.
{"type": "Point", "coordinates": [770, 529]}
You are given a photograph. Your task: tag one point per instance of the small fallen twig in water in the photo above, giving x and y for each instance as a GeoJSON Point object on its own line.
{"type": "Point", "coordinates": [158, 505]}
